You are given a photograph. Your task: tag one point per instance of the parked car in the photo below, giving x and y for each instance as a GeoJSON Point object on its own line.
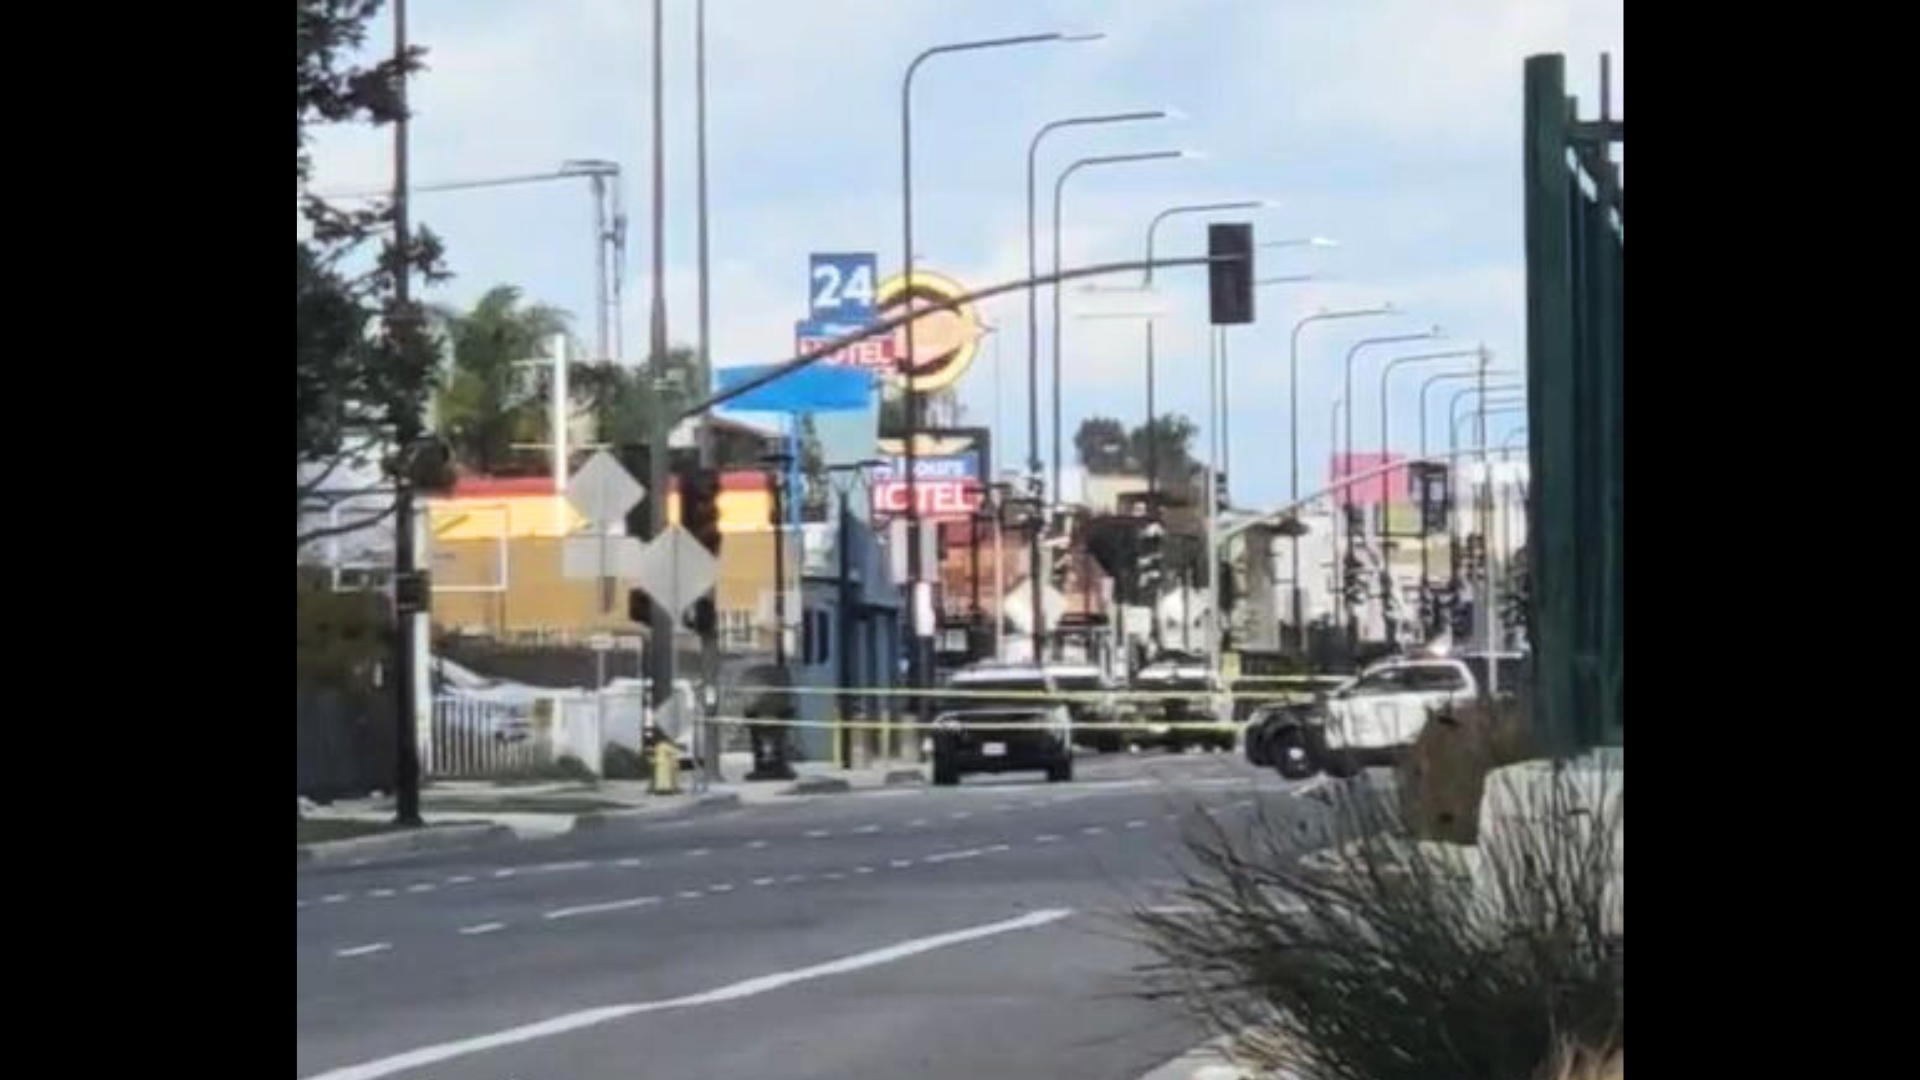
{"type": "Point", "coordinates": [1095, 706]}
{"type": "Point", "coordinates": [1200, 717]}
{"type": "Point", "coordinates": [1375, 719]}
{"type": "Point", "coordinates": [977, 732]}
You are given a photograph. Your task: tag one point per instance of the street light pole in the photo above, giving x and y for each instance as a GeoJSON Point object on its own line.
{"type": "Point", "coordinates": [1059, 187]}
{"type": "Point", "coordinates": [1353, 635]}
{"type": "Point", "coordinates": [1293, 442]}
{"type": "Point", "coordinates": [1153, 434]}
{"type": "Point", "coordinates": [1386, 566]}
{"type": "Point", "coordinates": [1033, 335]}
{"type": "Point", "coordinates": [1426, 577]}
{"type": "Point", "coordinates": [917, 652]}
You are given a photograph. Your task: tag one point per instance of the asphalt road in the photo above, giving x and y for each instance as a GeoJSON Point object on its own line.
{"type": "Point", "coordinates": [944, 933]}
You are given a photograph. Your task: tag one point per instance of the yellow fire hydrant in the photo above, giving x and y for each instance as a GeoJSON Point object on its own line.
{"type": "Point", "coordinates": [666, 768]}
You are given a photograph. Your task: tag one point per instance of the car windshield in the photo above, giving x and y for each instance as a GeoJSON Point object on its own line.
{"type": "Point", "coordinates": [996, 694]}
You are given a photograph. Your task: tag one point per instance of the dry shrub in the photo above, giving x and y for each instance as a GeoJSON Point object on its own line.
{"type": "Point", "coordinates": [1444, 774]}
{"type": "Point", "coordinates": [1388, 958]}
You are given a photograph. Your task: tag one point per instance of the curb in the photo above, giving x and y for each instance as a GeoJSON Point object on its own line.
{"type": "Point", "coordinates": [820, 785]}
{"type": "Point", "coordinates": [438, 838]}
{"type": "Point", "coordinates": [705, 804]}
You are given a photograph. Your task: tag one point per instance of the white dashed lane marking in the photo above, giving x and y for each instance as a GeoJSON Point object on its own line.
{"type": "Point", "coordinates": [763, 881]}
{"type": "Point", "coordinates": [696, 852]}
{"type": "Point", "coordinates": [756, 844]}
{"type": "Point", "coordinates": [866, 830]}
{"type": "Point", "coordinates": [381, 894]}
{"type": "Point", "coordinates": [816, 834]}
{"type": "Point", "coordinates": [421, 887]}
{"type": "Point", "coordinates": [334, 898]}
{"type": "Point", "coordinates": [482, 928]}
{"type": "Point", "coordinates": [1094, 830]}
{"type": "Point", "coordinates": [1045, 838]}
{"type": "Point", "coordinates": [460, 879]}
{"type": "Point", "coordinates": [917, 823]}
{"type": "Point", "coordinates": [364, 950]}
{"type": "Point", "coordinates": [596, 909]}
{"type": "Point", "coordinates": [629, 863]}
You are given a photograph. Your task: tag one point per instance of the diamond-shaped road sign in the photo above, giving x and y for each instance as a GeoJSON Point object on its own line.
{"type": "Point", "coordinates": [602, 491]}
{"type": "Point", "coordinates": [676, 569]}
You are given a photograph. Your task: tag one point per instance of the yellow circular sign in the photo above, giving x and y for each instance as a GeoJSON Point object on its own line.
{"type": "Point", "coordinates": [944, 342]}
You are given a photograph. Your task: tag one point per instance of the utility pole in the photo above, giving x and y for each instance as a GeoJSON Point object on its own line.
{"type": "Point", "coordinates": [709, 628]}
{"type": "Point", "coordinates": [409, 593]}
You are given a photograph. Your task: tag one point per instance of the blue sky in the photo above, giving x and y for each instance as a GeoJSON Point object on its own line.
{"type": "Point", "coordinates": [1390, 125]}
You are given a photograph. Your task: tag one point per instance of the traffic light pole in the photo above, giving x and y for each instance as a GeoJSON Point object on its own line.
{"type": "Point", "coordinates": [660, 625]}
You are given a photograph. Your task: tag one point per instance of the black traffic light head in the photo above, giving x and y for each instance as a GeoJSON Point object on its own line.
{"type": "Point", "coordinates": [700, 506]}
{"type": "Point", "coordinates": [1230, 273]}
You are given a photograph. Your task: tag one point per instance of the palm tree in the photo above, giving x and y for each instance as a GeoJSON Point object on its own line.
{"type": "Point", "coordinates": [487, 403]}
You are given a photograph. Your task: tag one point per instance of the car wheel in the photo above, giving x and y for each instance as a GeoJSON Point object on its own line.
{"type": "Point", "coordinates": [945, 772]}
{"type": "Point", "coordinates": [1060, 771]}
{"type": "Point", "coordinates": [1290, 757]}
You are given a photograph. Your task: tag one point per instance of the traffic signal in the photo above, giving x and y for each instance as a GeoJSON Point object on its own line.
{"type": "Point", "coordinates": [1230, 273]}
{"type": "Point", "coordinates": [1459, 609]}
{"type": "Point", "coordinates": [700, 506]}
{"type": "Point", "coordinates": [1150, 564]}
{"type": "Point", "coordinates": [1353, 584]}
{"type": "Point", "coordinates": [1474, 559]}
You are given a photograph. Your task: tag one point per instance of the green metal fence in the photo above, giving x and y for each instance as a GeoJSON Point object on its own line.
{"type": "Point", "coordinates": [1576, 247]}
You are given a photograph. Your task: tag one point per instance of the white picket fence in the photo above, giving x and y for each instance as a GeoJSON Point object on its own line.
{"type": "Point", "coordinates": [477, 739]}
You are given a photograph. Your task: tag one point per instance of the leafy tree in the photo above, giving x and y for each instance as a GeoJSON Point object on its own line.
{"type": "Point", "coordinates": [623, 399]}
{"type": "Point", "coordinates": [1101, 444]}
{"type": "Point", "coordinates": [365, 366]}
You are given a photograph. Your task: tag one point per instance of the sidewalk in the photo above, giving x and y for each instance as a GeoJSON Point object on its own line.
{"type": "Point", "coordinates": [545, 809]}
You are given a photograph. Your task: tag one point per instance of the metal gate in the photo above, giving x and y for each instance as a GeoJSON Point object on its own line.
{"type": "Point", "coordinates": [1576, 258]}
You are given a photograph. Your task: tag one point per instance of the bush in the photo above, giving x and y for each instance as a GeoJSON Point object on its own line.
{"type": "Point", "coordinates": [570, 767]}
{"type": "Point", "coordinates": [1388, 958]}
{"type": "Point", "coordinates": [1444, 775]}
{"type": "Point", "coordinates": [621, 763]}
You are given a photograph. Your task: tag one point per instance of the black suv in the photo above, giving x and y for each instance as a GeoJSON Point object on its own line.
{"type": "Point", "coordinates": [976, 731]}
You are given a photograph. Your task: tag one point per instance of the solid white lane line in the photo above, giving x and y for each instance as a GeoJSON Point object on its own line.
{"type": "Point", "coordinates": [595, 909]}
{"type": "Point", "coordinates": [364, 950]}
{"type": "Point", "coordinates": [585, 1018]}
